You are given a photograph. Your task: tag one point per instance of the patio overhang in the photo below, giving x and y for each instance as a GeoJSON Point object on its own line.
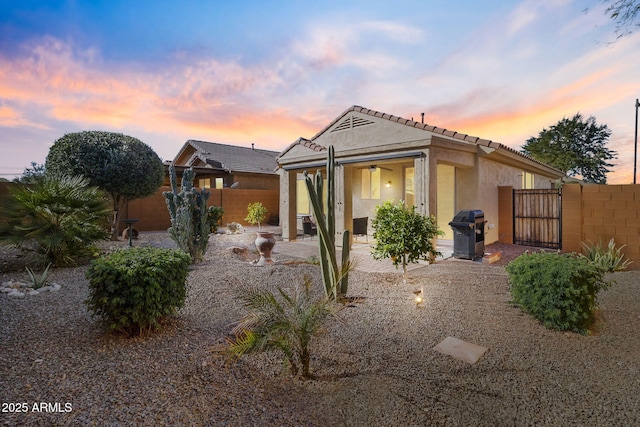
{"type": "Point", "coordinates": [358, 159]}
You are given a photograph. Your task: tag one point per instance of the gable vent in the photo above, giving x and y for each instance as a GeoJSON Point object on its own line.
{"type": "Point", "coordinates": [351, 122]}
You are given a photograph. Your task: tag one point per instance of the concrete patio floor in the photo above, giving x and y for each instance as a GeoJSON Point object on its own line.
{"type": "Point", "coordinates": [360, 253]}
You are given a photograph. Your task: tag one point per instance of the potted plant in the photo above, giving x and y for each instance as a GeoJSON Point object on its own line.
{"type": "Point", "coordinates": [256, 213]}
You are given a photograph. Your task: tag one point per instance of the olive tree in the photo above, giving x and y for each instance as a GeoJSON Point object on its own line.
{"type": "Point", "coordinates": [121, 165]}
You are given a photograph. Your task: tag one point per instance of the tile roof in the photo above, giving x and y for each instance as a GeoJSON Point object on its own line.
{"type": "Point", "coordinates": [417, 125]}
{"type": "Point", "coordinates": [305, 143]}
{"type": "Point", "coordinates": [233, 158]}
{"type": "Point", "coordinates": [414, 124]}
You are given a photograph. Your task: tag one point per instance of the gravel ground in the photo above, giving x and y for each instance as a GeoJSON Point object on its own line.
{"type": "Point", "coordinates": [375, 368]}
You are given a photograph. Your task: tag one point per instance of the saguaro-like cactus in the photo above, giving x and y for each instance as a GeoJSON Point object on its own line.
{"type": "Point", "coordinates": [188, 210]}
{"type": "Point", "coordinates": [335, 280]}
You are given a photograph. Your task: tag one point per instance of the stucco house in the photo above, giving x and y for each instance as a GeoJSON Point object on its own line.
{"type": "Point", "coordinates": [222, 165]}
{"type": "Point", "coordinates": [382, 157]}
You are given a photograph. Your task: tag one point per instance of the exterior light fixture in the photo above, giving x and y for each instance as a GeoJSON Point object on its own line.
{"type": "Point", "coordinates": [419, 299]}
{"type": "Point", "coordinates": [388, 185]}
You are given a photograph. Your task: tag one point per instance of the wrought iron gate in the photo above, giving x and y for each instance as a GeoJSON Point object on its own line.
{"type": "Point", "coordinates": [537, 218]}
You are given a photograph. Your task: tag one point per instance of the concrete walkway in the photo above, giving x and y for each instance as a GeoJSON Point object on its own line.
{"type": "Point", "coordinates": [360, 254]}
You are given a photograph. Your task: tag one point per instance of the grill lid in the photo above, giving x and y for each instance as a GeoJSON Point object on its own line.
{"type": "Point", "coordinates": [467, 217]}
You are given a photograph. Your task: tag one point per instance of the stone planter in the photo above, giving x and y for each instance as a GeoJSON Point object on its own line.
{"type": "Point", "coordinates": [265, 243]}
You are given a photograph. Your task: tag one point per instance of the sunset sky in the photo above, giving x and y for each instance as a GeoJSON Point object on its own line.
{"type": "Point", "coordinates": [268, 72]}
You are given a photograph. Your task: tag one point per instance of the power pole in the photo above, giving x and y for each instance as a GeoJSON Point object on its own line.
{"type": "Point", "coordinates": [635, 145]}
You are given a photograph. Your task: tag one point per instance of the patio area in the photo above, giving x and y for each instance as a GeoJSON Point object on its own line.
{"type": "Point", "coordinates": [306, 247]}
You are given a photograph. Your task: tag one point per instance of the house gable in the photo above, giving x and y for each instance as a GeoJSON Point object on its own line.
{"type": "Point", "coordinates": [359, 130]}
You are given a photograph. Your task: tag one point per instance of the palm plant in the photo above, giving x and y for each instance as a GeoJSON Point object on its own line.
{"type": "Point", "coordinates": [283, 321]}
{"type": "Point", "coordinates": [58, 218]}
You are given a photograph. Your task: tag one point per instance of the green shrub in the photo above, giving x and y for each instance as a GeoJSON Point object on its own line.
{"type": "Point", "coordinates": [58, 217]}
{"type": "Point", "coordinates": [133, 289]}
{"type": "Point", "coordinates": [557, 289]}
{"type": "Point", "coordinates": [214, 215]}
{"type": "Point", "coordinates": [608, 260]}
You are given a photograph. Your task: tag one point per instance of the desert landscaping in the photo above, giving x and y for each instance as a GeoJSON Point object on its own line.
{"type": "Point", "coordinates": [376, 365]}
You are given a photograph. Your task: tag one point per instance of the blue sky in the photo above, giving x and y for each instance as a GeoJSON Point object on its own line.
{"type": "Point", "coordinates": [268, 72]}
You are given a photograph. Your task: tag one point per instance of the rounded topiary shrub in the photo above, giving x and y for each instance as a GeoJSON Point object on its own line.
{"type": "Point", "coordinates": [557, 289]}
{"type": "Point", "coordinates": [132, 290]}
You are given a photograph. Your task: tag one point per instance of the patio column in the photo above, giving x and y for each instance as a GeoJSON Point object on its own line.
{"type": "Point", "coordinates": [425, 183]}
{"type": "Point", "coordinates": [421, 184]}
{"type": "Point", "coordinates": [340, 211]}
{"type": "Point", "coordinates": [288, 219]}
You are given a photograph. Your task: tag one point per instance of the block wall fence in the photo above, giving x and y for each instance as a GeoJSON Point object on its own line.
{"type": "Point", "coordinates": [153, 214]}
{"type": "Point", "coordinates": [590, 213]}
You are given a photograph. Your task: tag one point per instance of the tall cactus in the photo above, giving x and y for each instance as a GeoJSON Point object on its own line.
{"type": "Point", "coordinates": [188, 211]}
{"type": "Point", "coordinates": [335, 280]}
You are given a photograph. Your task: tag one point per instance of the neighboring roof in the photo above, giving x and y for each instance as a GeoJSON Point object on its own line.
{"type": "Point", "coordinates": [418, 125]}
{"type": "Point", "coordinates": [232, 158]}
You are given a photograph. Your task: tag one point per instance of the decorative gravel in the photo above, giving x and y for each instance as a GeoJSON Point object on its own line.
{"type": "Point", "coordinates": [376, 367]}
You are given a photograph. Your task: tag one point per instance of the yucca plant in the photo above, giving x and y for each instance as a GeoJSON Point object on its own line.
{"type": "Point", "coordinates": [58, 218]}
{"type": "Point", "coordinates": [283, 321]}
{"type": "Point", "coordinates": [607, 259]}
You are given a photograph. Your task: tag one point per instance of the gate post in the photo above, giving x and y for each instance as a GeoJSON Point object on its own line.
{"type": "Point", "coordinates": [571, 217]}
{"type": "Point", "coordinates": [505, 214]}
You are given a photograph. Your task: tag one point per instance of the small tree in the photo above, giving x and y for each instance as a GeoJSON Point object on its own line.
{"type": "Point", "coordinates": [57, 217]}
{"type": "Point", "coordinates": [189, 214]}
{"type": "Point", "coordinates": [256, 213]}
{"type": "Point", "coordinates": [121, 165]}
{"type": "Point", "coordinates": [403, 235]}
{"type": "Point", "coordinates": [575, 146]}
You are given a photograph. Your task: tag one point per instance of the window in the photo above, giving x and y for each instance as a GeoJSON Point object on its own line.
{"type": "Point", "coordinates": [204, 183]}
{"type": "Point", "coordinates": [409, 189]}
{"type": "Point", "coordinates": [219, 183]}
{"type": "Point", "coordinates": [303, 204]}
{"type": "Point", "coordinates": [528, 181]}
{"type": "Point", "coordinates": [370, 184]}
{"type": "Point", "coordinates": [302, 199]}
